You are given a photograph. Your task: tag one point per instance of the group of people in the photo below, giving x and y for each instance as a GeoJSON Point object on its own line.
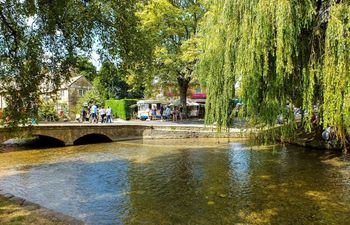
{"type": "Point", "coordinates": [93, 114]}
{"type": "Point", "coordinates": [167, 113]}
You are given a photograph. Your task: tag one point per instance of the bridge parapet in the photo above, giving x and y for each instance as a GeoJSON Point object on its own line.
{"type": "Point", "coordinates": [114, 132]}
{"type": "Point", "coordinates": [70, 133]}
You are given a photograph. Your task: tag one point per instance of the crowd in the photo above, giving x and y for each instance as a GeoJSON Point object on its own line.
{"type": "Point", "coordinates": [167, 113]}
{"type": "Point", "coordinates": [94, 114]}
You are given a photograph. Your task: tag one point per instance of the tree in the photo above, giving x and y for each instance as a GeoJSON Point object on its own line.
{"type": "Point", "coordinates": [39, 42]}
{"type": "Point", "coordinates": [111, 83]}
{"type": "Point", "coordinates": [280, 52]}
{"type": "Point", "coordinates": [91, 97]}
{"type": "Point", "coordinates": [171, 28]}
{"type": "Point", "coordinates": [86, 68]}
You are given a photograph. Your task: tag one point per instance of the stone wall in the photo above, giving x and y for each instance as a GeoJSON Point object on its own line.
{"type": "Point", "coordinates": [70, 133]}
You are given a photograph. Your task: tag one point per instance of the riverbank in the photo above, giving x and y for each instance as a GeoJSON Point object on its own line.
{"type": "Point", "coordinates": [15, 211]}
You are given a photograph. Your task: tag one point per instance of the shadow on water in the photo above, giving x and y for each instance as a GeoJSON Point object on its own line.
{"type": "Point", "coordinates": [92, 139]}
{"type": "Point", "coordinates": [115, 184]}
{"type": "Point", "coordinates": [36, 142]}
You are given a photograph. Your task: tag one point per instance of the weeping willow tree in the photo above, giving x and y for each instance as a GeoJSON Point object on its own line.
{"type": "Point", "coordinates": [279, 53]}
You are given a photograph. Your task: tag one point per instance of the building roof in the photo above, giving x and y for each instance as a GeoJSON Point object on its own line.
{"type": "Point", "coordinates": [71, 81]}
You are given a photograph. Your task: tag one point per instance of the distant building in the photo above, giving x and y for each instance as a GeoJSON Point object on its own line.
{"type": "Point", "coordinates": [70, 92]}
{"type": "Point", "coordinates": [66, 97]}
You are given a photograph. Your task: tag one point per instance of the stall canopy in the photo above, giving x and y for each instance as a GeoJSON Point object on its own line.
{"type": "Point", "coordinates": [188, 103]}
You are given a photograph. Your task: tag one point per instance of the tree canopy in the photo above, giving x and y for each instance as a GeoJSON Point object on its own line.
{"type": "Point", "coordinates": [39, 41]}
{"type": "Point", "coordinates": [84, 67]}
{"type": "Point", "coordinates": [111, 83]}
{"type": "Point", "coordinates": [278, 52]}
{"type": "Point", "coordinates": [171, 29]}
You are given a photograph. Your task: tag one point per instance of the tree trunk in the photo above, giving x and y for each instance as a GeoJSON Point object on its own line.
{"type": "Point", "coordinates": [183, 87]}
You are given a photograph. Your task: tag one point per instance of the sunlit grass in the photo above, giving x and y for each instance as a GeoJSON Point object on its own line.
{"type": "Point", "coordinates": [13, 214]}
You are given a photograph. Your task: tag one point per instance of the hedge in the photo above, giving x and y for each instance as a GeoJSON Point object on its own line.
{"type": "Point", "coordinates": [121, 108]}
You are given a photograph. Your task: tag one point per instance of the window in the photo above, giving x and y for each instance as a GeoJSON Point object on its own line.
{"type": "Point", "coordinates": [62, 93]}
{"type": "Point", "coordinates": [81, 92]}
{"type": "Point", "coordinates": [198, 90]}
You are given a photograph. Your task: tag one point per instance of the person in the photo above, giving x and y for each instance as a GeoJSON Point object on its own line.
{"type": "Point", "coordinates": [34, 111]}
{"type": "Point", "coordinates": [109, 114]}
{"type": "Point", "coordinates": [83, 115]}
{"type": "Point", "coordinates": [175, 112]}
{"type": "Point", "coordinates": [154, 112]}
{"type": "Point", "coordinates": [167, 113]}
{"type": "Point", "coordinates": [329, 135]}
{"type": "Point", "coordinates": [93, 113]}
{"type": "Point", "coordinates": [103, 114]}
{"type": "Point", "coordinates": [314, 118]}
{"type": "Point", "coordinates": [180, 112]}
{"type": "Point", "coordinates": [161, 111]}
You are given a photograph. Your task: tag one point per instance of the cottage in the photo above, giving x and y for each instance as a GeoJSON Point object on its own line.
{"type": "Point", "coordinates": [70, 92]}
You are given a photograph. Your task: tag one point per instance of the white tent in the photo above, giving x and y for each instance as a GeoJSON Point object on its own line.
{"type": "Point", "coordinates": [188, 103]}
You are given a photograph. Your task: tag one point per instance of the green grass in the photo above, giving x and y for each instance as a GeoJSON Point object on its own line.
{"type": "Point", "coordinates": [13, 214]}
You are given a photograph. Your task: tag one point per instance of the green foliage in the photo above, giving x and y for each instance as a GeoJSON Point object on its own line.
{"type": "Point", "coordinates": [91, 97]}
{"type": "Point", "coordinates": [335, 73]}
{"type": "Point", "coordinates": [86, 68]}
{"type": "Point", "coordinates": [121, 108]}
{"type": "Point", "coordinates": [280, 52]}
{"type": "Point", "coordinates": [47, 111]}
{"type": "Point", "coordinates": [171, 30]}
{"type": "Point", "coordinates": [40, 41]}
{"type": "Point", "coordinates": [111, 83]}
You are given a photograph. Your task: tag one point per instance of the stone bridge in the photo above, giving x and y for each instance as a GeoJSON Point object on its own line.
{"type": "Point", "coordinates": [74, 134]}
{"type": "Point", "coordinates": [81, 133]}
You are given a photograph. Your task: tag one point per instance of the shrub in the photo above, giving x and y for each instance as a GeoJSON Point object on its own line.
{"type": "Point", "coordinates": [91, 97]}
{"type": "Point", "coordinates": [47, 111]}
{"type": "Point", "coordinates": [121, 108]}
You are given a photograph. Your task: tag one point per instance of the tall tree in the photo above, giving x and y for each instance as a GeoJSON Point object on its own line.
{"type": "Point", "coordinates": [39, 41]}
{"type": "Point", "coordinates": [280, 52]}
{"type": "Point", "coordinates": [86, 68]}
{"type": "Point", "coordinates": [171, 27]}
{"type": "Point", "coordinates": [111, 82]}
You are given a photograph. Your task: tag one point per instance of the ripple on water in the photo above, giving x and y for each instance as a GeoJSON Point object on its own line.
{"type": "Point", "coordinates": [183, 182]}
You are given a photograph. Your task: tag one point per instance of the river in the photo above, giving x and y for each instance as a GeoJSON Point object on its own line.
{"type": "Point", "coordinates": [191, 181]}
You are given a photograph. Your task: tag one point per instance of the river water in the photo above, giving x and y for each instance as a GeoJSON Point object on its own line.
{"type": "Point", "coordinates": [183, 182]}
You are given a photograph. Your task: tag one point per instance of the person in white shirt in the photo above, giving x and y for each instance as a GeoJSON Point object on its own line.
{"type": "Point", "coordinates": [103, 115]}
{"type": "Point", "coordinates": [109, 115]}
{"type": "Point", "coordinates": [167, 112]}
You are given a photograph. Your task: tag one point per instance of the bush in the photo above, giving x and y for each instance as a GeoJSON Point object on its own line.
{"type": "Point", "coordinates": [121, 108]}
{"type": "Point", "coordinates": [47, 111]}
{"type": "Point", "coordinates": [91, 97]}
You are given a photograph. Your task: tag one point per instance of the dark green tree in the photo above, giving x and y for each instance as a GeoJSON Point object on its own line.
{"type": "Point", "coordinates": [86, 68]}
{"type": "Point", "coordinates": [111, 83]}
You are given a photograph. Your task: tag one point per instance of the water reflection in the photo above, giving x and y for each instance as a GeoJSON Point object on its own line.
{"type": "Point", "coordinates": [183, 182]}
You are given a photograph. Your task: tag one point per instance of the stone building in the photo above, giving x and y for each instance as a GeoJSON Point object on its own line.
{"type": "Point", "coordinates": [69, 94]}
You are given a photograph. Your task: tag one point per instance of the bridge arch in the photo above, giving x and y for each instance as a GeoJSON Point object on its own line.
{"type": "Point", "coordinates": [35, 140]}
{"type": "Point", "coordinates": [92, 138]}
{"type": "Point", "coordinates": [45, 140]}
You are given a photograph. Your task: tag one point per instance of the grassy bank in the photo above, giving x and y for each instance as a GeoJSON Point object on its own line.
{"type": "Point", "coordinates": [13, 214]}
